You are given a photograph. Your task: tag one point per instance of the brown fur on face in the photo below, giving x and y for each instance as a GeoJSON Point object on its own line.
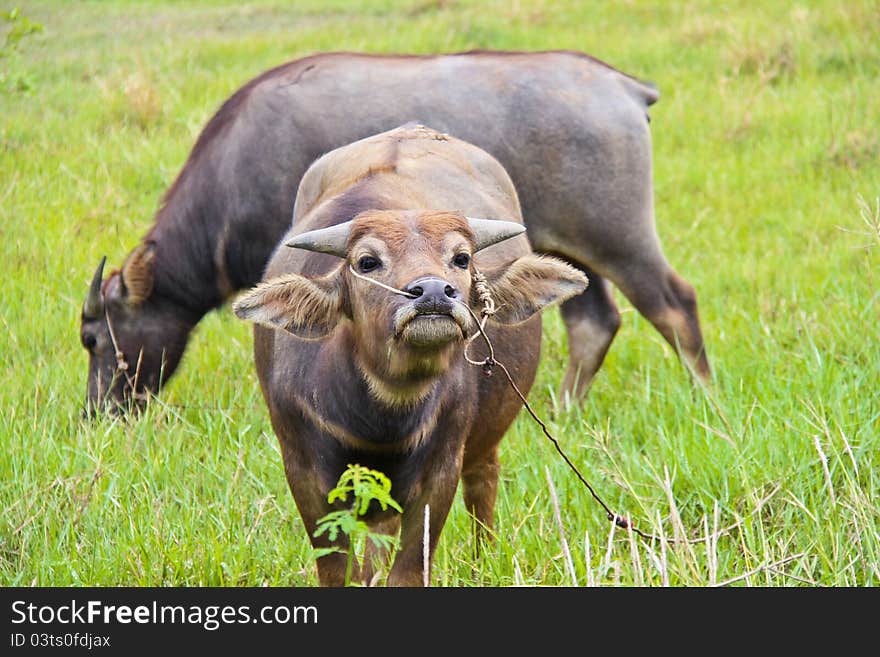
{"type": "Point", "coordinates": [409, 246]}
{"type": "Point", "coordinates": [387, 225]}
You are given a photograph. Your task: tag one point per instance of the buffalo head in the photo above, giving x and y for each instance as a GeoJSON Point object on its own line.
{"type": "Point", "coordinates": [401, 342]}
{"type": "Point", "coordinates": [134, 340]}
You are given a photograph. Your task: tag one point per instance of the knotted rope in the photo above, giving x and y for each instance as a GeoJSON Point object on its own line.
{"type": "Point", "coordinates": [121, 362]}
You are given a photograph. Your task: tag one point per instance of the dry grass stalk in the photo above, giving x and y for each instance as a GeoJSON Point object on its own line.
{"type": "Point", "coordinates": [607, 564]}
{"type": "Point", "coordinates": [588, 560]}
{"type": "Point", "coordinates": [634, 556]}
{"type": "Point", "coordinates": [558, 517]}
{"type": "Point", "coordinates": [260, 513]}
{"type": "Point", "coordinates": [769, 566]}
{"type": "Point", "coordinates": [824, 459]}
{"type": "Point", "coordinates": [426, 552]}
{"type": "Point", "coordinates": [680, 533]}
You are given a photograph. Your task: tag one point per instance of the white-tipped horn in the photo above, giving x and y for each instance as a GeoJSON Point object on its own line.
{"type": "Point", "coordinates": [490, 231]}
{"type": "Point", "coordinates": [332, 240]}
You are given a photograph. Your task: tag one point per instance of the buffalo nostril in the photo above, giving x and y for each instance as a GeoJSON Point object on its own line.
{"type": "Point", "coordinates": [430, 287]}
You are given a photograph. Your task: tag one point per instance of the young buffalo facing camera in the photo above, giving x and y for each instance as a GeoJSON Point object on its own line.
{"type": "Point", "coordinates": [368, 366]}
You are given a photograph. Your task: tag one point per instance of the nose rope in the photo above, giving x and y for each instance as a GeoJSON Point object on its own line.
{"type": "Point", "coordinates": [121, 362]}
{"type": "Point", "coordinates": [481, 287]}
{"type": "Point", "coordinates": [122, 365]}
{"type": "Point", "coordinates": [382, 285]}
{"type": "Point", "coordinates": [489, 363]}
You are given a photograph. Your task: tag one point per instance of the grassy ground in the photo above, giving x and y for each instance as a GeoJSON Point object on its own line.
{"type": "Point", "coordinates": [767, 172]}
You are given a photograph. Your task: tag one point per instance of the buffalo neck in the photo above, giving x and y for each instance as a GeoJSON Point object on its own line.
{"type": "Point", "coordinates": [213, 237]}
{"type": "Point", "coordinates": [180, 282]}
{"type": "Point", "coordinates": [343, 396]}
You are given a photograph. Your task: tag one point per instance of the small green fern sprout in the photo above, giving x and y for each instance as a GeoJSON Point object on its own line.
{"type": "Point", "coordinates": [365, 486]}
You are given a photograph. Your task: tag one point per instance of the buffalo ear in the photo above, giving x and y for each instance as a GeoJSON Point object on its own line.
{"type": "Point", "coordinates": [309, 308]}
{"type": "Point", "coordinates": [531, 283]}
{"type": "Point", "coordinates": [137, 273]}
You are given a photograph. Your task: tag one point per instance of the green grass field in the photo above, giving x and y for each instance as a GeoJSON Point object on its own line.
{"type": "Point", "coordinates": [767, 185]}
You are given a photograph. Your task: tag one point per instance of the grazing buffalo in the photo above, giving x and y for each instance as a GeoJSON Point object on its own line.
{"type": "Point", "coordinates": [359, 374]}
{"type": "Point", "coordinates": [571, 131]}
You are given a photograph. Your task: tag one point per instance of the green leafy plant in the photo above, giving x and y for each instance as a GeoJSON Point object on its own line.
{"type": "Point", "coordinates": [18, 27]}
{"type": "Point", "coordinates": [365, 486]}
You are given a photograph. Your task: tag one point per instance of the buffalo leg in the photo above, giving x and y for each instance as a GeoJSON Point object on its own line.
{"type": "Point", "coordinates": [311, 502]}
{"type": "Point", "coordinates": [591, 321]}
{"type": "Point", "coordinates": [480, 488]}
{"type": "Point", "coordinates": [408, 568]}
{"type": "Point", "coordinates": [331, 567]}
{"type": "Point", "coordinates": [376, 557]}
{"type": "Point", "coordinates": [669, 302]}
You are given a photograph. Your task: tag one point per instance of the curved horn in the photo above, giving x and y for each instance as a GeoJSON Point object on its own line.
{"type": "Point", "coordinates": [332, 240]}
{"type": "Point", "coordinates": [490, 231]}
{"type": "Point", "coordinates": [94, 305]}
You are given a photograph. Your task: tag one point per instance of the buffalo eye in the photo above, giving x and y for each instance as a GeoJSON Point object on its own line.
{"type": "Point", "coordinates": [89, 341]}
{"type": "Point", "coordinates": [368, 263]}
{"type": "Point", "coordinates": [462, 260]}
